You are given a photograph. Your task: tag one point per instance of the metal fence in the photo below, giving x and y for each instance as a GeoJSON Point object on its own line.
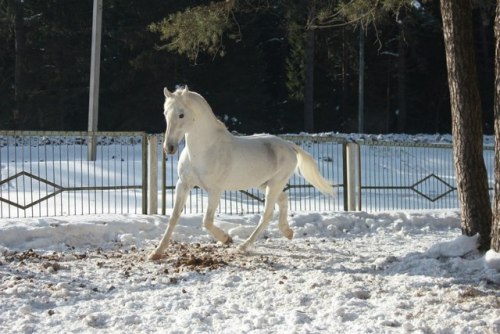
{"type": "Point", "coordinates": [48, 173]}
{"type": "Point", "coordinates": [387, 176]}
{"type": "Point", "coordinates": [407, 176]}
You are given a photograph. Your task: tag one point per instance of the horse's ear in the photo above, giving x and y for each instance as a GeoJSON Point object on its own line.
{"type": "Point", "coordinates": [166, 92]}
{"type": "Point", "coordinates": [185, 90]}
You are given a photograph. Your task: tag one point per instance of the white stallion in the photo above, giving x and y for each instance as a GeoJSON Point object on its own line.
{"type": "Point", "coordinates": [215, 160]}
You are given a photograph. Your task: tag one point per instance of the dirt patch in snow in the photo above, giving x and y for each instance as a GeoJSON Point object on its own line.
{"type": "Point", "coordinates": [77, 270]}
{"type": "Point", "coordinates": [180, 257]}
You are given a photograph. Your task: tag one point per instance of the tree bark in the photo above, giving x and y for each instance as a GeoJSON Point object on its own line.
{"type": "Point", "coordinates": [466, 114]}
{"type": "Point", "coordinates": [495, 233]}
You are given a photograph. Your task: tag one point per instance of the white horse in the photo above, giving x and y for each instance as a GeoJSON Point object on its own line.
{"type": "Point", "coordinates": [215, 160]}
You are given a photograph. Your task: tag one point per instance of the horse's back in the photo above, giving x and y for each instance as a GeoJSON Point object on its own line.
{"type": "Point", "coordinates": [267, 148]}
{"type": "Point", "coordinates": [263, 157]}
{"type": "Point", "coordinates": [240, 162]}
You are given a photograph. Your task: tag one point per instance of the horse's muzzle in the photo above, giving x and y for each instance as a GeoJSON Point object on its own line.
{"type": "Point", "coordinates": [170, 148]}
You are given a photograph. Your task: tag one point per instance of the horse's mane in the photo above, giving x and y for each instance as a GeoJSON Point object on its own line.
{"type": "Point", "coordinates": [201, 102]}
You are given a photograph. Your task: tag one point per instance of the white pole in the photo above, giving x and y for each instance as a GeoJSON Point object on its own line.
{"type": "Point", "coordinates": [351, 157]}
{"type": "Point", "coordinates": [95, 66]}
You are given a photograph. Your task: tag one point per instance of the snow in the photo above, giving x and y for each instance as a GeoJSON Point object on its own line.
{"type": "Point", "coordinates": [454, 248]}
{"type": "Point", "coordinates": [492, 260]}
{"type": "Point", "coordinates": [352, 272]}
{"type": "Point", "coordinates": [421, 138]}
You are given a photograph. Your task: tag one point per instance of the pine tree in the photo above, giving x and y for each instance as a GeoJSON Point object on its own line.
{"type": "Point", "coordinates": [495, 232]}
{"type": "Point", "coordinates": [467, 127]}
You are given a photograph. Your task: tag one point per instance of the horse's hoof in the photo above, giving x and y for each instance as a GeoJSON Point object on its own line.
{"type": "Point", "coordinates": [288, 234]}
{"type": "Point", "coordinates": [228, 241]}
{"type": "Point", "coordinates": [243, 248]}
{"type": "Point", "coordinates": [154, 256]}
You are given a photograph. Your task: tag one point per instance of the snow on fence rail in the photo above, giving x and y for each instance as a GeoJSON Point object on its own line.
{"type": "Point", "coordinates": [48, 174]}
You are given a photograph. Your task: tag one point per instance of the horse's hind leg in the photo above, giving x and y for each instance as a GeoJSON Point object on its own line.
{"type": "Point", "coordinates": [181, 193]}
{"type": "Point", "coordinates": [272, 195]}
{"type": "Point", "coordinates": [208, 219]}
{"type": "Point", "coordinates": [283, 222]}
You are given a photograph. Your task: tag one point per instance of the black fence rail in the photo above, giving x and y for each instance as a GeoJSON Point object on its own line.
{"type": "Point", "coordinates": [49, 174]}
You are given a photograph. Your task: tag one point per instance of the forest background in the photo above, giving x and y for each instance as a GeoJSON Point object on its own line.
{"type": "Point", "coordinates": [252, 72]}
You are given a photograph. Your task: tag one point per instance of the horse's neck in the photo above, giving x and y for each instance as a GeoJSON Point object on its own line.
{"type": "Point", "coordinates": [208, 131]}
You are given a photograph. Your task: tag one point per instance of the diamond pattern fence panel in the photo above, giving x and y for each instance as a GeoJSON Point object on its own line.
{"type": "Point", "coordinates": [49, 174]}
{"type": "Point", "coordinates": [407, 176]}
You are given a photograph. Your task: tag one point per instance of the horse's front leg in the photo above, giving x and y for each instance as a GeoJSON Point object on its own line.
{"type": "Point", "coordinates": [208, 219]}
{"type": "Point", "coordinates": [181, 194]}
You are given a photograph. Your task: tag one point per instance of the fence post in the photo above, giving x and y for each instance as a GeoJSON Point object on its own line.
{"type": "Point", "coordinates": [352, 164]}
{"type": "Point", "coordinates": [152, 175]}
{"type": "Point", "coordinates": [344, 174]}
{"type": "Point", "coordinates": [144, 151]}
{"type": "Point", "coordinates": [163, 182]}
{"type": "Point", "coordinates": [95, 67]}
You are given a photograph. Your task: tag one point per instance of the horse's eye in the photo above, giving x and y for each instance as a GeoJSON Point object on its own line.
{"type": "Point", "coordinates": [181, 116]}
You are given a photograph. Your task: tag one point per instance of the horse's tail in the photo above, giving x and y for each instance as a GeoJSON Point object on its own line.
{"type": "Point", "coordinates": [309, 170]}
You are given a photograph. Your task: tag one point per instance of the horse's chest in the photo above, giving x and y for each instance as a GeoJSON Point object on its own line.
{"type": "Point", "coordinates": [206, 173]}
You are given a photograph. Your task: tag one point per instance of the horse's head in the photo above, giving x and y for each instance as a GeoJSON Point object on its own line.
{"type": "Point", "coordinates": [179, 117]}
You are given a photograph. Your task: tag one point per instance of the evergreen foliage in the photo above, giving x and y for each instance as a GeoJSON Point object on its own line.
{"type": "Point", "coordinates": [295, 61]}
{"type": "Point", "coordinates": [245, 57]}
{"type": "Point", "coordinates": [197, 29]}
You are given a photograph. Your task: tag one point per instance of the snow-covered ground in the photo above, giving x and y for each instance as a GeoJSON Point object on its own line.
{"type": "Point", "coordinates": [351, 272]}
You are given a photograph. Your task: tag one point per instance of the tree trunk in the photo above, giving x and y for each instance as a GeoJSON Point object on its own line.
{"type": "Point", "coordinates": [401, 80]}
{"type": "Point", "coordinates": [495, 233]}
{"type": "Point", "coordinates": [20, 66]}
{"type": "Point", "coordinates": [467, 130]}
{"type": "Point", "coordinates": [309, 82]}
{"type": "Point", "coordinates": [361, 81]}
{"type": "Point", "coordinates": [343, 107]}
{"type": "Point", "coordinates": [388, 112]}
